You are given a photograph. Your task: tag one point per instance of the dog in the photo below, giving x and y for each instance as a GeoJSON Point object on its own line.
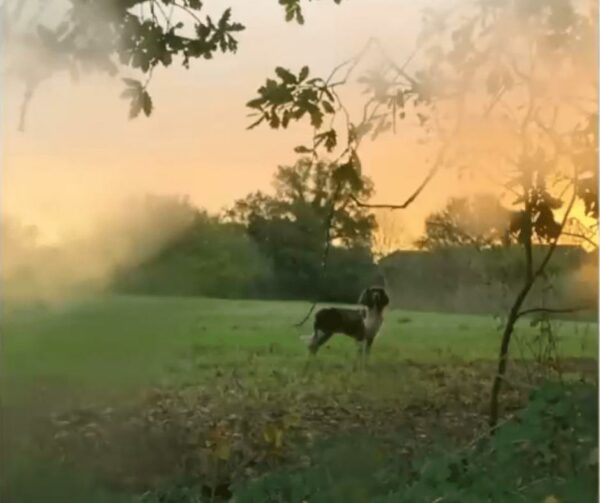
{"type": "Point", "coordinates": [362, 325]}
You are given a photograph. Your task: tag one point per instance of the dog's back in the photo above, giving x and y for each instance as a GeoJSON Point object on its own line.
{"type": "Point", "coordinates": [340, 320]}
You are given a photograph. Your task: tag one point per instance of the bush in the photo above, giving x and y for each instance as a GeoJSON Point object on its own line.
{"type": "Point", "coordinates": [548, 451]}
{"type": "Point", "coordinates": [210, 259]}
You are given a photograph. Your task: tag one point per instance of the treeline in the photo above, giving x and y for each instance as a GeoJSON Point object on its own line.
{"type": "Point", "coordinates": [465, 279]}
{"type": "Point", "coordinates": [271, 246]}
{"type": "Point", "coordinates": [220, 260]}
{"type": "Point", "coordinates": [214, 257]}
{"type": "Point", "coordinates": [280, 258]}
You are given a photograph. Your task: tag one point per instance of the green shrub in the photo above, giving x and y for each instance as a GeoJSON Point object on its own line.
{"type": "Point", "coordinates": [549, 450]}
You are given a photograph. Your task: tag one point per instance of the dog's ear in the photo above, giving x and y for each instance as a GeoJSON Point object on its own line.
{"type": "Point", "coordinates": [385, 298]}
{"type": "Point", "coordinates": [365, 298]}
{"type": "Point", "coordinates": [362, 297]}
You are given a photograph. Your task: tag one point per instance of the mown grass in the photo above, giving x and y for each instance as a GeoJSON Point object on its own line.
{"type": "Point", "coordinates": [112, 345]}
{"type": "Point", "coordinates": [229, 356]}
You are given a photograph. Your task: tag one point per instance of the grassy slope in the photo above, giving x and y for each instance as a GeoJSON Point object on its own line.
{"type": "Point", "coordinates": [116, 344]}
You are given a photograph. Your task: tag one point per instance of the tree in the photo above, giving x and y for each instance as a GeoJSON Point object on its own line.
{"type": "Point", "coordinates": [312, 204]}
{"type": "Point", "coordinates": [508, 85]}
{"type": "Point", "coordinates": [304, 194]}
{"type": "Point", "coordinates": [479, 221]}
{"type": "Point", "coordinates": [121, 239]}
{"type": "Point", "coordinates": [109, 35]}
{"type": "Point", "coordinates": [208, 257]}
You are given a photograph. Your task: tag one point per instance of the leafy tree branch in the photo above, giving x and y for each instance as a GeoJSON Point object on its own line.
{"type": "Point", "coordinates": [110, 36]}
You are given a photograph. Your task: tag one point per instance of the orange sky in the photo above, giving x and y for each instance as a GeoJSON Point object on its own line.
{"type": "Point", "coordinates": [80, 154]}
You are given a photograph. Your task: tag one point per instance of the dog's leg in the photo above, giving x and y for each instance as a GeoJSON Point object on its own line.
{"type": "Point", "coordinates": [360, 356]}
{"type": "Point", "coordinates": [368, 344]}
{"type": "Point", "coordinates": [366, 351]}
{"type": "Point", "coordinates": [319, 338]}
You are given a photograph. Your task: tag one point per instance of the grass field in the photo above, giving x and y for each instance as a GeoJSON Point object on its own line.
{"type": "Point", "coordinates": [240, 360]}
{"type": "Point", "coordinates": [116, 344]}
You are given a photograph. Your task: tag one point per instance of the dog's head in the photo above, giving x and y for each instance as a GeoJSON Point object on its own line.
{"type": "Point", "coordinates": [374, 297]}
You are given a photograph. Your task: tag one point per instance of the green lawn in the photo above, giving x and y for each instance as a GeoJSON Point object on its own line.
{"type": "Point", "coordinates": [116, 344]}
{"type": "Point", "coordinates": [232, 361]}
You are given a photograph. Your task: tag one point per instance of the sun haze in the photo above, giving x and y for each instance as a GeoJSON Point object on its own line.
{"type": "Point", "coordinates": [79, 154]}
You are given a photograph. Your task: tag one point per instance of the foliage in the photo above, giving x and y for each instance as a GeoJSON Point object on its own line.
{"type": "Point", "coordinates": [480, 221]}
{"type": "Point", "coordinates": [106, 36]}
{"type": "Point", "coordinates": [264, 445]}
{"type": "Point", "coordinates": [292, 98]}
{"type": "Point", "coordinates": [208, 258]}
{"type": "Point", "coordinates": [293, 10]}
{"type": "Point", "coordinates": [269, 247]}
{"type": "Point", "coordinates": [311, 205]}
{"type": "Point", "coordinates": [548, 450]}
{"type": "Point", "coordinates": [468, 280]}
{"type": "Point", "coordinates": [306, 193]}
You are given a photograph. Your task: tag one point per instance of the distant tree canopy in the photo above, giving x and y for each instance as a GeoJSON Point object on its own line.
{"type": "Point", "coordinates": [267, 247]}
{"type": "Point", "coordinates": [312, 203]}
{"type": "Point", "coordinates": [166, 246]}
{"type": "Point", "coordinates": [469, 280]}
{"type": "Point", "coordinates": [306, 195]}
{"type": "Point", "coordinates": [204, 256]}
{"type": "Point", "coordinates": [480, 221]}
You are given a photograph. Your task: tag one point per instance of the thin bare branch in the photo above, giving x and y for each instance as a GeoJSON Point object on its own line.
{"type": "Point", "coordinates": [352, 63]}
{"type": "Point", "coordinates": [188, 11]}
{"type": "Point", "coordinates": [29, 90]}
{"type": "Point", "coordinates": [547, 310]}
{"type": "Point", "coordinates": [439, 162]}
{"type": "Point", "coordinates": [582, 237]}
{"type": "Point", "coordinates": [495, 100]}
{"type": "Point", "coordinates": [434, 169]}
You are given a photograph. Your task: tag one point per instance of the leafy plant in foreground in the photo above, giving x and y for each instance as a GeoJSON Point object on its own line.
{"type": "Point", "coordinates": [548, 452]}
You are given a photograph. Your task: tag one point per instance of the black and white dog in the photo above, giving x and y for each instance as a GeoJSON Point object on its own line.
{"type": "Point", "coordinates": [360, 324]}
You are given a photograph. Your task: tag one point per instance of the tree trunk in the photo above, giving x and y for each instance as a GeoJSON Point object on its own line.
{"type": "Point", "coordinates": [513, 316]}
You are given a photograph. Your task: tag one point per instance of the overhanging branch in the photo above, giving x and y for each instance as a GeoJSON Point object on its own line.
{"type": "Point", "coordinates": [434, 169]}
{"type": "Point", "coordinates": [589, 241]}
{"type": "Point", "coordinates": [554, 310]}
{"type": "Point", "coordinates": [439, 161]}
